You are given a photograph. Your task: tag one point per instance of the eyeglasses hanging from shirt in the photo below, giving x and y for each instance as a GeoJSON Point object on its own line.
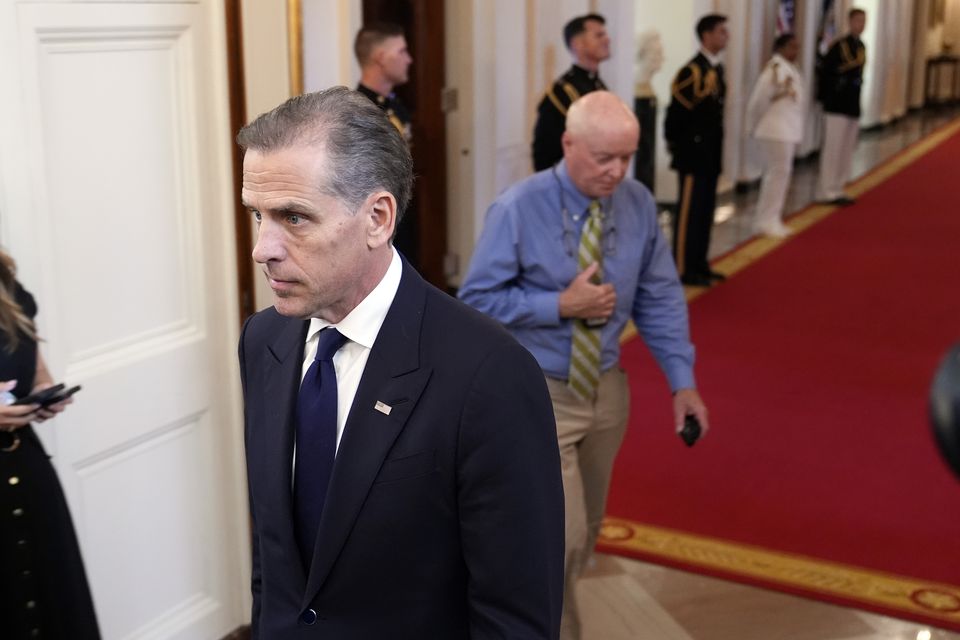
{"type": "Point", "coordinates": [571, 238]}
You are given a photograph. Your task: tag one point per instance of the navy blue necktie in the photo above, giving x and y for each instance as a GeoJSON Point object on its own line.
{"type": "Point", "coordinates": [316, 441]}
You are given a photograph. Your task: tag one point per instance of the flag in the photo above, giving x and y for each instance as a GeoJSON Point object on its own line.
{"type": "Point", "coordinates": [785, 17]}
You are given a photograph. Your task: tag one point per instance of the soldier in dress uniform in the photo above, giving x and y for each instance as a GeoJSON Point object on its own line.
{"type": "Point", "coordinates": [586, 38]}
{"type": "Point", "coordinates": [694, 133]}
{"type": "Point", "coordinates": [840, 79]}
{"type": "Point", "coordinates": [381, 50]}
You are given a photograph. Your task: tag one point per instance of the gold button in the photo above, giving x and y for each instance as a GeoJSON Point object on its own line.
{"type": "Point", "coordinates": [17, 512]}
{"type": "Point", "coordinates": [13, 480]}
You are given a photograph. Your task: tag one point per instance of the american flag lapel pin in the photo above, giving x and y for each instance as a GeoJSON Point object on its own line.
{"type": "Point", "coordinates": [383, 407]}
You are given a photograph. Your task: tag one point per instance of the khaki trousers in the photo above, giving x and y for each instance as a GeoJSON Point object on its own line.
{"type": "Point", "coordinates": [589, 436]}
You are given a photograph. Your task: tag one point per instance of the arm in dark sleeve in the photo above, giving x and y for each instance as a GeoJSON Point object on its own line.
{"type": "Point", "coordinates": [510, 500]}
{"type": "Point", "coordinates": [680, 111]}
{"type": "Point", "coordinates": [831, 61]}
{"type": "Point", "coordinates": [255, 579]}
{"type": "Point", "coordinates": [547, 132]}
{"type": "Point", "coordinates": [827, 71]}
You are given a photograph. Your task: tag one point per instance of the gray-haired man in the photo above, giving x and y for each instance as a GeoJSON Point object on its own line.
{"type": "Point", "coordinates": [401, 450]}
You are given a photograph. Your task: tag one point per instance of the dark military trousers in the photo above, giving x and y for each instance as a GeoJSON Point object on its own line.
{"type": "Point", "coordinates": [693, 222]}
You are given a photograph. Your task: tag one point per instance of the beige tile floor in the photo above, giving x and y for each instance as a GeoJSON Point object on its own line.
{"type": "Point", "coordinates": [623, 599]}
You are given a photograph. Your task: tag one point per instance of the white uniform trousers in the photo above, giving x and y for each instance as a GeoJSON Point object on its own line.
{"type": "Point", "coordinates": [778, 168]}
{"type": "Point", "coordinates": [836, 154]}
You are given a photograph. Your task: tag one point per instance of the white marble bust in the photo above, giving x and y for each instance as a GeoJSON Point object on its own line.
{"type": "Point", "coordinates": [649, 61]}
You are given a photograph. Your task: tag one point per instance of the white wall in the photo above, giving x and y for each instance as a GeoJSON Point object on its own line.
{"type": "Point", "coordinates": [887, 36]}
{"type": "Point", "coordinates": [929, 42]}
{"type": "Point", "coordinates": [806, 24]}
{"type": "Point", "coordinates": [266, 65]}
{"type": "Point", "coordinates": [329, 27]}
{"type": "Point", "coordinates": [675, 21]}
{"type": "Point", "coordinates": [266, 68]}
{"type": "Point", "coordinates": [750, 28]}
{"type": "Point", "coordinates": [951, 28]}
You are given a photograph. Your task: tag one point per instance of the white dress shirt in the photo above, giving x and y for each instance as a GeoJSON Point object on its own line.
{"type": "Point", "coordinates": [360, 327]}
{"type": "Point", "coordinates": [712, 58]}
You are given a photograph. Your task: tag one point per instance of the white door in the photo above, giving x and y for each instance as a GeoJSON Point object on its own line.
{"type": "Point", "coordinates": [116, 201]}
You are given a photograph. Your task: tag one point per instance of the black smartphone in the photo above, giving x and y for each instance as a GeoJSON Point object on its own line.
{"type": "Point", "coordinates": [691, 430]}
{"type": "Point", "coordinates": [41, 397]}
{"type": "Point", "coordinates": [60, 397]}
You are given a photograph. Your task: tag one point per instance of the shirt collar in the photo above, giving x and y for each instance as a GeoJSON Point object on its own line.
{"type": "Point", "coordinates": [578, 70]}
{"type": "Point", "coordinates": [714, 60]}
{"type": "Point", "coordinates": [363, 323]}
{"type": "Point", "coordinates": [576, 202]}
{"type": "Point", "coordinates": [373, 95]}
{"type": "Point", "coordinates": [779, 59]}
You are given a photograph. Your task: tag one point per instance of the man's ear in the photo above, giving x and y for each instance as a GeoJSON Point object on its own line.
{"type": "Point", "coordinates": [377, 55]}
{"type": "Point", "coordinates": [381, 212]}
{"type": "Point", "coordinates": [576, 45]}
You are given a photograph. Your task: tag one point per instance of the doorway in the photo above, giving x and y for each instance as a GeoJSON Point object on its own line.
{"type": "Point", "coordinates": [422, 236]}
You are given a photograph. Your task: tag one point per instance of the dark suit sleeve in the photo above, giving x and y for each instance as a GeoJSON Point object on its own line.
{"type": "Point", "coordinates": [510, 498]}
{"type": "Point", "coordinates": [548, 130]}
{"type": "Point", "coordinates": [827, 75]}
{"type": "Point", "coordinates": [680, 111]}
{"type": "Point", "coordinates": [254, 536]}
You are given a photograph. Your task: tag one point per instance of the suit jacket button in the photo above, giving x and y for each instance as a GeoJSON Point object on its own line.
{"type": "Point", "coordinates": [308, 617]}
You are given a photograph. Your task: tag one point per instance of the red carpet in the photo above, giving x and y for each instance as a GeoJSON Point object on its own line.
{"type": "Point", "coordinates": [815, 362]}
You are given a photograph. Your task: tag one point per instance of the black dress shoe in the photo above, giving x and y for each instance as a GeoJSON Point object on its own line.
{"type": "Point", "coordinates": [843, 201]}
{"type": "Point", "coordinates": [696, 279]}
{"type": "Point", "coordinates": [716, 275]}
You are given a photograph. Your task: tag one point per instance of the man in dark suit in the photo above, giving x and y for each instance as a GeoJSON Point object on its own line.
{"type": "Point", "coordinates": [840, 80]}
{"type": "Point", "coordinates": [694, 133]}
{"type": "Point", "coordinates": [410, 486]}
{"type": "Point", "coordinates": [587, 40]}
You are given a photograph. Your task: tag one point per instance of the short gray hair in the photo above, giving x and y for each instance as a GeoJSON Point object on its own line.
{"type": "Point", "coordinates": [365, 152]}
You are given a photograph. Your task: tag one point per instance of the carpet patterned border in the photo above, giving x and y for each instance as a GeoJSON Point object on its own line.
{"type": "Point", "coordinates": [872, 589]}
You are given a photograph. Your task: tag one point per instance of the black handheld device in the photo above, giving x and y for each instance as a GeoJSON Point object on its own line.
{"type": "Point", "coordinates": [41, 397]}
{"type": "Point", "coordinates": [691, 430]}
{"type": "Point", "coordinates": [60, 397]}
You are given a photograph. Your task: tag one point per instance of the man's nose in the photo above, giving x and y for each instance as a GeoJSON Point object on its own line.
{"type": "Point", "coordinates": [269, 246]}
{"type": "Point", "coordinates": [619, 168]}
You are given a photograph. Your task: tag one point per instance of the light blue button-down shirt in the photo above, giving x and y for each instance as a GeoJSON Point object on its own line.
{"type": "Point", "coordinates": [527, 255]}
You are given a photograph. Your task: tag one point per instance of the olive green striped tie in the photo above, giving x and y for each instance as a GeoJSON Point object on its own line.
{"type": "Point", "coordinates": [585, 353]}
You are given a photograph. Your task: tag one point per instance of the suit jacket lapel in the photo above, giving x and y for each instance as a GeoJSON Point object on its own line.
{"type": "Point", "coordinates": [393, 375]}
{"type": "Point", "coordinates": [284, 366]}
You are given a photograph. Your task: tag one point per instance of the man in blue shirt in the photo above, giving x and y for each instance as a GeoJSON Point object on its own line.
{"type": "Point", "coordinates": [566, 257]}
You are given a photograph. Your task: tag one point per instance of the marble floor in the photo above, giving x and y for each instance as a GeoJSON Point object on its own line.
{"type": "Point", "coordinates": [623, 599]}
{"type": "Point", "coordinates": [735, 211]}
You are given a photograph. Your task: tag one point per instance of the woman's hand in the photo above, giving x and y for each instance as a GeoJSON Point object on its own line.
{"type": "Point", "coordinates": [12, 416]}
{"type": "Point", "coordinates": [49, 411]}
